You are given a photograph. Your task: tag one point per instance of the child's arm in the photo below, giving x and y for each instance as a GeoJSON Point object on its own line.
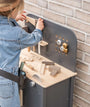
{"type": "Point", "coordinates": [30, 39]}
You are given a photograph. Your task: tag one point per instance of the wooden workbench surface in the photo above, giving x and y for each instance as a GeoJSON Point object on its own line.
{"type": "Point", "coordinates": [45, 80]}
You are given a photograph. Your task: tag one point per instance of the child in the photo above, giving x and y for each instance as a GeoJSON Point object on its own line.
{"type": "Point", "coordinates": [12, 40]}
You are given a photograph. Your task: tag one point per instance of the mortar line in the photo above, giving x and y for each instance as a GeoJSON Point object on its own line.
{"type": "Point", "coordinates": [82, 80]}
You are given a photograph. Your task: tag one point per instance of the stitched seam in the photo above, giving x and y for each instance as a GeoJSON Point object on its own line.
{"type": "Point", "coordinates": [9, 40]}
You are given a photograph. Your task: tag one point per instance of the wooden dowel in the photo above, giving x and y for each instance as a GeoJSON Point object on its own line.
{"type": "Point", "coordinates": [21, 98]}
{"type": "Point", "coordinates": [29, 49]}
{"type": "Point", "coordinates": [34, 48]}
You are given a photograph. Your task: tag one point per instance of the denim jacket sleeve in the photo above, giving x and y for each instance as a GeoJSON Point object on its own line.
{"type": "Point", "coordinates": [29, 39]}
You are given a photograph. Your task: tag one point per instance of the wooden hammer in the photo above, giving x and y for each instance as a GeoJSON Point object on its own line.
{"type": "Point", "coordinates": [33, 22]}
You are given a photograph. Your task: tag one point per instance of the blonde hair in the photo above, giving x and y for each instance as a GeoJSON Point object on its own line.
{"type": "Point", "coordinates": [6, 3]}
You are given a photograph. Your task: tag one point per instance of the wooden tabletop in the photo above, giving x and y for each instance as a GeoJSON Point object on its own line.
{"type": "Point", "coordinates": [33, 66]}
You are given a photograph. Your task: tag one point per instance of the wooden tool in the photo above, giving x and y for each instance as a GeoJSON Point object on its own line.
{"type": "Point", "coordinates": [54, 73]}
{"type": "Point", "coordinates": [42, 70]}
{"type": "Point", "coordinates": [41, 43]}
{"type": "Point", "coordinates": [31, 20]}
{"type": "Point", "coordinates": [54, 70]}
{"type": "Point", "coordinates": [48, 63]}
{"type": "Point", "coordinates": [44, 64]}
{"type": "Point", "coordinates": [21, 98]}
{"type": "Point", "coordinates": [21, 90]}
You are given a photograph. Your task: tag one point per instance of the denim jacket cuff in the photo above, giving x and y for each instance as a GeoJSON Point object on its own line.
{"type": "Point", "coordinates": [39, 31]}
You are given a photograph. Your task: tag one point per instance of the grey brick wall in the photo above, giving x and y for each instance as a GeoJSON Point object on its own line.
{"type": "Point", "coordinates": [74, 14]}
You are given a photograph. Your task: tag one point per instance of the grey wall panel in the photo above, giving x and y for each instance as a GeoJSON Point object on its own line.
{"type": "Point", "coordinates": [63, 33]}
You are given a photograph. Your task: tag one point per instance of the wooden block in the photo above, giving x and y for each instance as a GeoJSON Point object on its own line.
{"type": "Point", "coordinates": [31, 20]}
{"type": "Point", "coordinates": [42, 70]}
{"type": "Point", "coordinates": [54, 70]}
{"type": "Point", "coordinates": [29, 49]}
{"type": "Point", "coordinates": [54, 73]}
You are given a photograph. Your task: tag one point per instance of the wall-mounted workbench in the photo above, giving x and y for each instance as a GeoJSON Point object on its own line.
{"type": "Point", "coordinates": [50, 85]}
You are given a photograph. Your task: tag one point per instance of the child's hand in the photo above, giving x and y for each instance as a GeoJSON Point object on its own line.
{"type": "Point", "coordinates": [21, 16]}
{"type": "Point", "coordinates": [40, 24]}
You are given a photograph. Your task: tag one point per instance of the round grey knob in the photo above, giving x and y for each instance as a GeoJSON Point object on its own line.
{"type": "Point", "coordinates": [59, 42]}
{"type": "Point", "coordinates": [62, 48]}
{"type": "Point", "coordinates": [32, 84]}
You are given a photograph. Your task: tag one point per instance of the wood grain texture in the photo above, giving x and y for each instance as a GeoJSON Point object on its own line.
{"type": "Point", "coordinates": [46, 79]}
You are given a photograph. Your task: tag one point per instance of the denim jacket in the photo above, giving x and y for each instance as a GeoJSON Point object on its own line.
{"type": "Point", "coordinates": [12, 40]}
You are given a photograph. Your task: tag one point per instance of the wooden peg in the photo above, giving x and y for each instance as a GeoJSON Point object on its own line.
{"type": "Point", "coordinates": [21, 97]}
{"type": "Point", "coordinates": [34, 48]}
{"type": "Point", "coordinates": [42, 70]}
{"type": "Point", "coordinates": [29, 49]}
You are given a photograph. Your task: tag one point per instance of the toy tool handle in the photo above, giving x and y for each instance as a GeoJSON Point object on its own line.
{"type": "Point", "coordinates": [29, 49]}
{"type": "Point", "coordinates": [31, 20]}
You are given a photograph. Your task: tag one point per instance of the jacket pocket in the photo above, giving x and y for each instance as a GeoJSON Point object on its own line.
{"type": "Point", "coordinates": [7, 90]}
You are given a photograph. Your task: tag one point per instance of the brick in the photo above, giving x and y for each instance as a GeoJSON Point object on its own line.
{"type": "Point", "coordinates": [82, 16]}
{"type": "Point", "coordinates": [87, 0]}
{"type": "Point", "coordinates": [83, 76]}
{"type": "Point", "coordinates": [76, 3]}
{"type": "Point", "coordinates": [80, 36]}
{"type": "Point", "coordinates": [79, 54]}
{"type": "Point", "coordinates": [83, 47]}
{"type": "Point", "coordinates": [82, 66]}
{"type": "Point", "coordinates": [61, 9]}
{"type": "Point", "coordinates": [87, 58]}
{"type": "Point", "coordinates": [86, 5]}
{"type": "Point", "coordinates": [81, 93]}
{"type": "Point", "coordinates": [42, 3]}
{"type": "Point", "coordinates": [88, 39]}
{"type": "Point", "coordinates": [50, 15]}
{"type": "Point", "coordinates": [78, 25]}
{"type": "Point", "coordinates": [31, 1]}
{"type": "Point", "coordinates": [33, 9]}
{"type": "Point", "coordinates": [75, 105]}
{"type": "Point", "coordinates": [82, 85]}
{"type": "Point", "coordinates": [80, 102]}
